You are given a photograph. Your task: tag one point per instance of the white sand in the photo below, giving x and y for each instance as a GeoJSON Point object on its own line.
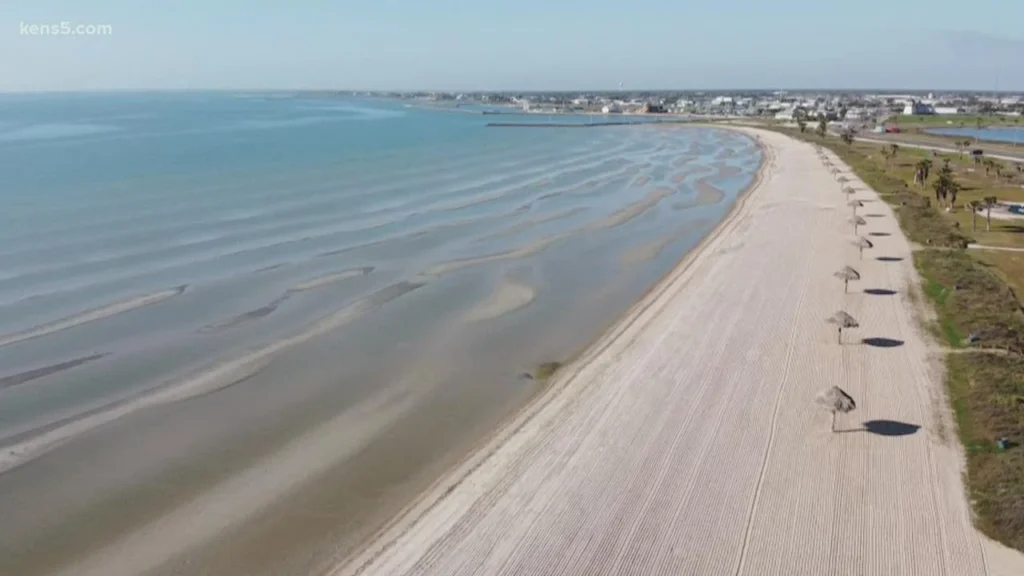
{"type": "Point", "coordinates": [687, 440]}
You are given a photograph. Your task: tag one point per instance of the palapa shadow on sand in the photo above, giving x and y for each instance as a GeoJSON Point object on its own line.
{"type": "Point", "coordinates": [882, 342]}
{"type": "Point", "coordinates": [874, 215]}
{"type": "Point", "coordinates": [879, 234]}
{"type": "Point", "coordinates": [879, 292]}
{"type": "Point", "coordinates": [885, 428]}
{"type": "Point", "coordinates": [889, 259]}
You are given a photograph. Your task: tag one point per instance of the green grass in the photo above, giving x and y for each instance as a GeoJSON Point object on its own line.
{"type": "Point", "coordinates": [970, 295]}
{"type": "Point", "coordinates": [988, 392]}
{"type": "Point", "coordinates": [955, 121]}
{"type": "Point", "coordinates": [970, 299]}
{"type": "Point", "coordinates": [944, 328]}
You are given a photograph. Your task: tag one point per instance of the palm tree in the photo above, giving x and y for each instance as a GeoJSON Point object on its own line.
{"type": "Point", "coordinates": [847, 137]}
{"type": "Point", "coordinates": [946, 185]}
{"type": "Point", "coordinates": [822, 125]}
{"type": "Point", "coordinates": [973, 207]}
{"type": "Point", "coordinates": [921, 170]}
{"type": "Point", "coordinates": [989, 202]}
{"type": "Point", "coordinates": [894, 148]}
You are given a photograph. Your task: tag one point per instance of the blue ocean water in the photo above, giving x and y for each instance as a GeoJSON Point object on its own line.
{"type": "Point", "coordinates": [188, 281]}
{"type": "Point", "coordinates": [993, 134]}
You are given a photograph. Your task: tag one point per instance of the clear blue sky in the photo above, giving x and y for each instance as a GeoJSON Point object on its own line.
{"type": "Point", "coordinates": [515, 44]}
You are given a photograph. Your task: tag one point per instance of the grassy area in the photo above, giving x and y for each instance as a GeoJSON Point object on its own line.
{"type": "Point", "coordinates": [956, 121]}
{"type": "Point", "coordinates": [988, 392]}
{"type": "Point", "coordinates": [1007, 265]}
{"type": "Point", "coordinates": [970, 300]}
{"type": "Point", "coordinates": [971, 293]}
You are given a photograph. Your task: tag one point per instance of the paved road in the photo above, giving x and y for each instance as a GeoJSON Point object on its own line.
{"type": "Point", "coordinates": [908, 142]}
{"type": "Point", "coordinates": [1002, 248]}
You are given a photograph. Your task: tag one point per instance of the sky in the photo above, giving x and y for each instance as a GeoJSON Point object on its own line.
{"type": "Point", "coordinates": [513, 44]}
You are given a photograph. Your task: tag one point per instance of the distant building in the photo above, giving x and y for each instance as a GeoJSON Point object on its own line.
{"type": "Point", "coordinates": [915, 108]}
{"type": "Point", "coordinates": [611, 109]}
{"type": "Point", "coordinates": [787, 114]}
{"type": "Point", "coordinates": [855, 114]}
{"type": "Point", "coordinates": [947, 110]}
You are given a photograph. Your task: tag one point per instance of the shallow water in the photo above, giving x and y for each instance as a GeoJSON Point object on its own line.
{"type": "Point", "coordinates": [296, 312]}
{"type": "Point", "coordinates": [995, 134]}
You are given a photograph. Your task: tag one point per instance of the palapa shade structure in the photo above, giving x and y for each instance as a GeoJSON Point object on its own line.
{"type": "Point", "coordinates": [855, 204]}
{"type": "Point", "coordinates": [847, 274]}
{"type": "Point", "coordinates": [848, 190]}
{"type": "Point", "coordinates": [857, 221]}
{"type": "Point", "coordinates": [835, 399]}
{"type": "Point", "coordinates": [862, 243]}
{"type": "Point", "coordinates": [842, 179]}
{"type": "Point", "coordinates": [842, 320]}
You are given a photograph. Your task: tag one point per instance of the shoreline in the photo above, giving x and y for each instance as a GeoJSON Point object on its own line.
{"type": "Point", "coordinates": [678, 440]}
{"type": "Point", "coordinates": [364, 555]}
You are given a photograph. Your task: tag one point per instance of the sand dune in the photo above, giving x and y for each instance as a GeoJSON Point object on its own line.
{"type": "Point", "coordinates": [507, 297]}
{"type": "Point", "coordinates": [687, 441]}
{"type": "Point", "coordinates": [213, 378]}
{"type": "Point", "coordinates": [92, 315]}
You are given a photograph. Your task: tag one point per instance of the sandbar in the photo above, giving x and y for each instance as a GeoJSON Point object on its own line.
{"type": "Point", "coordinates": [508, 296]}
{"type": "Point", "coordinates": [92, 315]}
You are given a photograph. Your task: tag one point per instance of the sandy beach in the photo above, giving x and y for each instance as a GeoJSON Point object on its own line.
{"type": "Point", "coordinates": [687, 440]}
